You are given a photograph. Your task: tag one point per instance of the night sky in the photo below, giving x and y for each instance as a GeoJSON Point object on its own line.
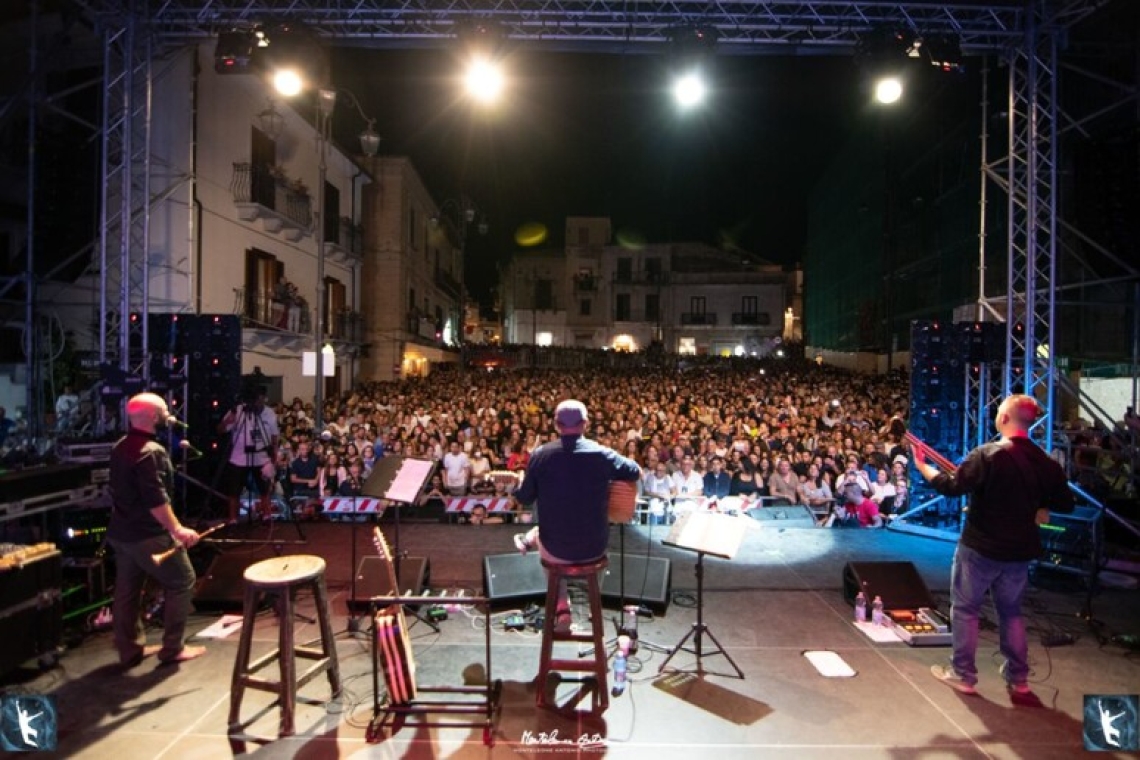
{"type": "Point", "coordinates": [598, 134]}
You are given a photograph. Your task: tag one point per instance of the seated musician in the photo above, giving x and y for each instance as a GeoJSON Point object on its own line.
{"type": "Point", "coordinates": [568, 480]}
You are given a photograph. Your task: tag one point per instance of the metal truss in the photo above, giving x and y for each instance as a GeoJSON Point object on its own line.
{"type": "Point", "coordinates": [124, 279]}
{"type": "Point", "coordinates": [1026, 32]}
{"type": "Point", "coordinates": [742, 26]}
{"type": "Point", "coordinates": [1031, 264]}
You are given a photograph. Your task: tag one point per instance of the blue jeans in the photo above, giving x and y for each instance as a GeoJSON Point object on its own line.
{"type": "Point", "coordinates": [972, 575]}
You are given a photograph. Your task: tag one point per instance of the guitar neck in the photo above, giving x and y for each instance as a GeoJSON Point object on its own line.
{"type": "Point", "coordinates": [389, 564]}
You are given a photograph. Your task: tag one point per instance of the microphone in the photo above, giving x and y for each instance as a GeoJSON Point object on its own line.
{"type": "Point", "coordinates": [174, 421]}
{"type": "Point", "coordinates": [185, 445]}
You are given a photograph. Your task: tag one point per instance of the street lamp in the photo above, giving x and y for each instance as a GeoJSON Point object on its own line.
{"type": "Point", "coordinates": [465, 213]}
{"type": "Point", "coordinates": [369, 144]}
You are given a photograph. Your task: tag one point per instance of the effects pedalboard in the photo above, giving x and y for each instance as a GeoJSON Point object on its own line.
{"type": "Point", "coordinates": [925, 627]}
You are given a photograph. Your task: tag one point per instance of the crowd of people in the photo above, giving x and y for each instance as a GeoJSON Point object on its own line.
{"type": "Point", "coordinates": [731, 431]}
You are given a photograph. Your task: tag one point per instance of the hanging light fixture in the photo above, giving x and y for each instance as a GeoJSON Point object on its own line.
{"type": "Point", "coordinates": [271, 121]}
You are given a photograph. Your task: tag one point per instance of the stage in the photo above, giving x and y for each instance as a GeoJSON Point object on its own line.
{"type": "Point", "coordinates": [781, 595]}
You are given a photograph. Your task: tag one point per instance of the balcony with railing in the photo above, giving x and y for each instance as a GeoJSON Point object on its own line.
{"type": "Point", "coordinates": [345, 241]}
{"type": "Point", "coordinates": [270, 321]}
{"type": "Point", "coordinates": [265, 193]}
{"type": "Point", "coordinates": [347, 326]}
{"type": "Point", "coordinates": [752, 318]}
{"type": "Point", "coordinates": [691, 318]}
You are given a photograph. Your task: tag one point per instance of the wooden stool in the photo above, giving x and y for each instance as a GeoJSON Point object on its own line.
{"type": "Point", "coordinates": [283, 576]}
{"type": "Point", "coordinates": [555, 574]}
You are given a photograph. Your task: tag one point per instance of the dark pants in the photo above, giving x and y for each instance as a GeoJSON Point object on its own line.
{"type": "Point", "coordinates": [176, 577]}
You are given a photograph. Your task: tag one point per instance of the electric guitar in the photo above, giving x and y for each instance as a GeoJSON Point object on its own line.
{"type": "Point", "coordinates": [395, 649]}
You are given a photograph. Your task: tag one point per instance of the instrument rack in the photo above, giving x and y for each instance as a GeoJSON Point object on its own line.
{"type": "Point", "coordinates": [386, 714]}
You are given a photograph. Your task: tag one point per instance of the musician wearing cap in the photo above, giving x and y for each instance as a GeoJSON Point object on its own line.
{"type": "Point", "coordinates": [569, 481]}
{"type": "Point", "coordinates": [143, 524]}
{"type": "Point", "coordinates": [1011, 484]}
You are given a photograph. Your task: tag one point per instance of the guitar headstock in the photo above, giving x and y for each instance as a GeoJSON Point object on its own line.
{"type": "Point", "coordinates": [381, 544]}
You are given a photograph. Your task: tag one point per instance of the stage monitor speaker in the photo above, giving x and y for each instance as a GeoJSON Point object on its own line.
{"type": "Point", "coordinates": [222, 587]}
{"type": "Point", "coordinates": [791, 516]}
{"type": "Point", "coordinates": [648, 581]}
{"type": "Point", "coordinates": [513, 578]}
{"type": "Point", "coordinates": [898, 583]}
{"type": "Point", "coordinates": [372, 580]}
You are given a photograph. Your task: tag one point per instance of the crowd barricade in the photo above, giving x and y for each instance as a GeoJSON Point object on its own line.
{"type": "Point", "coordinates": [493, 504]}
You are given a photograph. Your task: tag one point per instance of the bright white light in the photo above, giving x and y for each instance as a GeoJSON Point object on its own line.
{"type": "Point", "coordinates": [689, 91]}
{"type": "Point", "coordinates": [888, 90]}
{"type": "Point", "coordinates": [287, 82]}
{"type": "Point", "coordinates": [485, 81]}
{"type": "Point", "coordinates": [544, 339]}
{"type": "Point", "coordinates": [779, 353]}
{"type": "Point", "coordinates": [738, 351]}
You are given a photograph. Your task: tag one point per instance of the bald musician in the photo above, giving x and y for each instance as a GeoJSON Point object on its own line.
{"type": "Point", "coordinates": [143, 524]}
{"type": "Point", "coordinates": [1012, 485]}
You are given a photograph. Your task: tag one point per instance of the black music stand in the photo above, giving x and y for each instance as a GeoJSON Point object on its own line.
{"type": "Point", "coordinates": [705, 533]}
{"type": "Point", "coordinates": [618, 623]}
{"type": "Point", "coordinates": [398, 480]}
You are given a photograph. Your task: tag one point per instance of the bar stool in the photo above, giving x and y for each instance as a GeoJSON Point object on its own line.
{"type": "Point", "coordinates": [283, 577]}
{"type": "Point", "coordinates": [555, 574]}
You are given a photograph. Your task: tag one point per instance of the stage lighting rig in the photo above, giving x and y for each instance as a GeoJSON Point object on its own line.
{"type": "Point", "coordinates": [944, 51]}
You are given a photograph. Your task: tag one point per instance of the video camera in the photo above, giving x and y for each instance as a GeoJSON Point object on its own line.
{"type": "Point", "coordinates": [253, 387]}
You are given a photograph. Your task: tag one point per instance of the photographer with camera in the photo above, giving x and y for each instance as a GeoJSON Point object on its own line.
{"type": "Point", "coordinates": [253, 446]}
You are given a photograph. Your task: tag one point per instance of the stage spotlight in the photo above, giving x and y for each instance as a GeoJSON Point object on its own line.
{"type": "Point", "coordinates": [692, 55]}
{"type": "Point", "coordinates": [484, 80]}
{"type": "Point", "coordinates": [888, 90]}
{"type": "Point", "coordinates": [689, 90]}
{"type": "Point", "coordinates": [288, 82]}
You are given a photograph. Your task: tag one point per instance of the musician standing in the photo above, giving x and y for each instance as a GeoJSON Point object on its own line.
{"type": "Point", "coordinates": [143, 524]}
{"type": "Point", "coordinates": [1012, 484]}
{"type": "Point", "coordinates": [569, 480]}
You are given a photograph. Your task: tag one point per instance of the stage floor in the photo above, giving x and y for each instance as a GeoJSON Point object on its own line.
{"type": "Point", "coordinates": [781, 595]}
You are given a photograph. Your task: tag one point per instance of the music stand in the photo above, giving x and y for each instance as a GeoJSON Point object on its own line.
{"type": "Point", "coordinates": [619, 627]}
{"type": "Point", "coordinates": [399, 480]}
{"type": "Point", "coordinates": [705, 533]}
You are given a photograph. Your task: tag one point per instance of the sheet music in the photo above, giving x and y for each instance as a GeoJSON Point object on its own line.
{"type": "Point", "coordinates": [710, 532]}
{"type": "Point", "coordinates": [410, 478]}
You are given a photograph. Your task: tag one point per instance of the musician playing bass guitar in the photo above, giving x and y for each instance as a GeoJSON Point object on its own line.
{"type": "Point", "coordinates": [1012, 485]}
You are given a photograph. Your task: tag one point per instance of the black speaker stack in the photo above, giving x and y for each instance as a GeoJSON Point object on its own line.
{"type": "Point", "coordinates": [941, 356]}
{"type": "Point", "coordinates": [194, 361]}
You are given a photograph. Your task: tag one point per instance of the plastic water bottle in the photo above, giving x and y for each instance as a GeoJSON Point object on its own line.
{"type": "Point", "coordinates": [621, 666]}
{"type": "Point", "coordinates": [877, 611]}
{"type": "Point", "coordinates": [860, 608]}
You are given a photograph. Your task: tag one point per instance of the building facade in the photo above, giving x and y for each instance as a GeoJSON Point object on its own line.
{"type": "Point", "coordinates": [687, 298]}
